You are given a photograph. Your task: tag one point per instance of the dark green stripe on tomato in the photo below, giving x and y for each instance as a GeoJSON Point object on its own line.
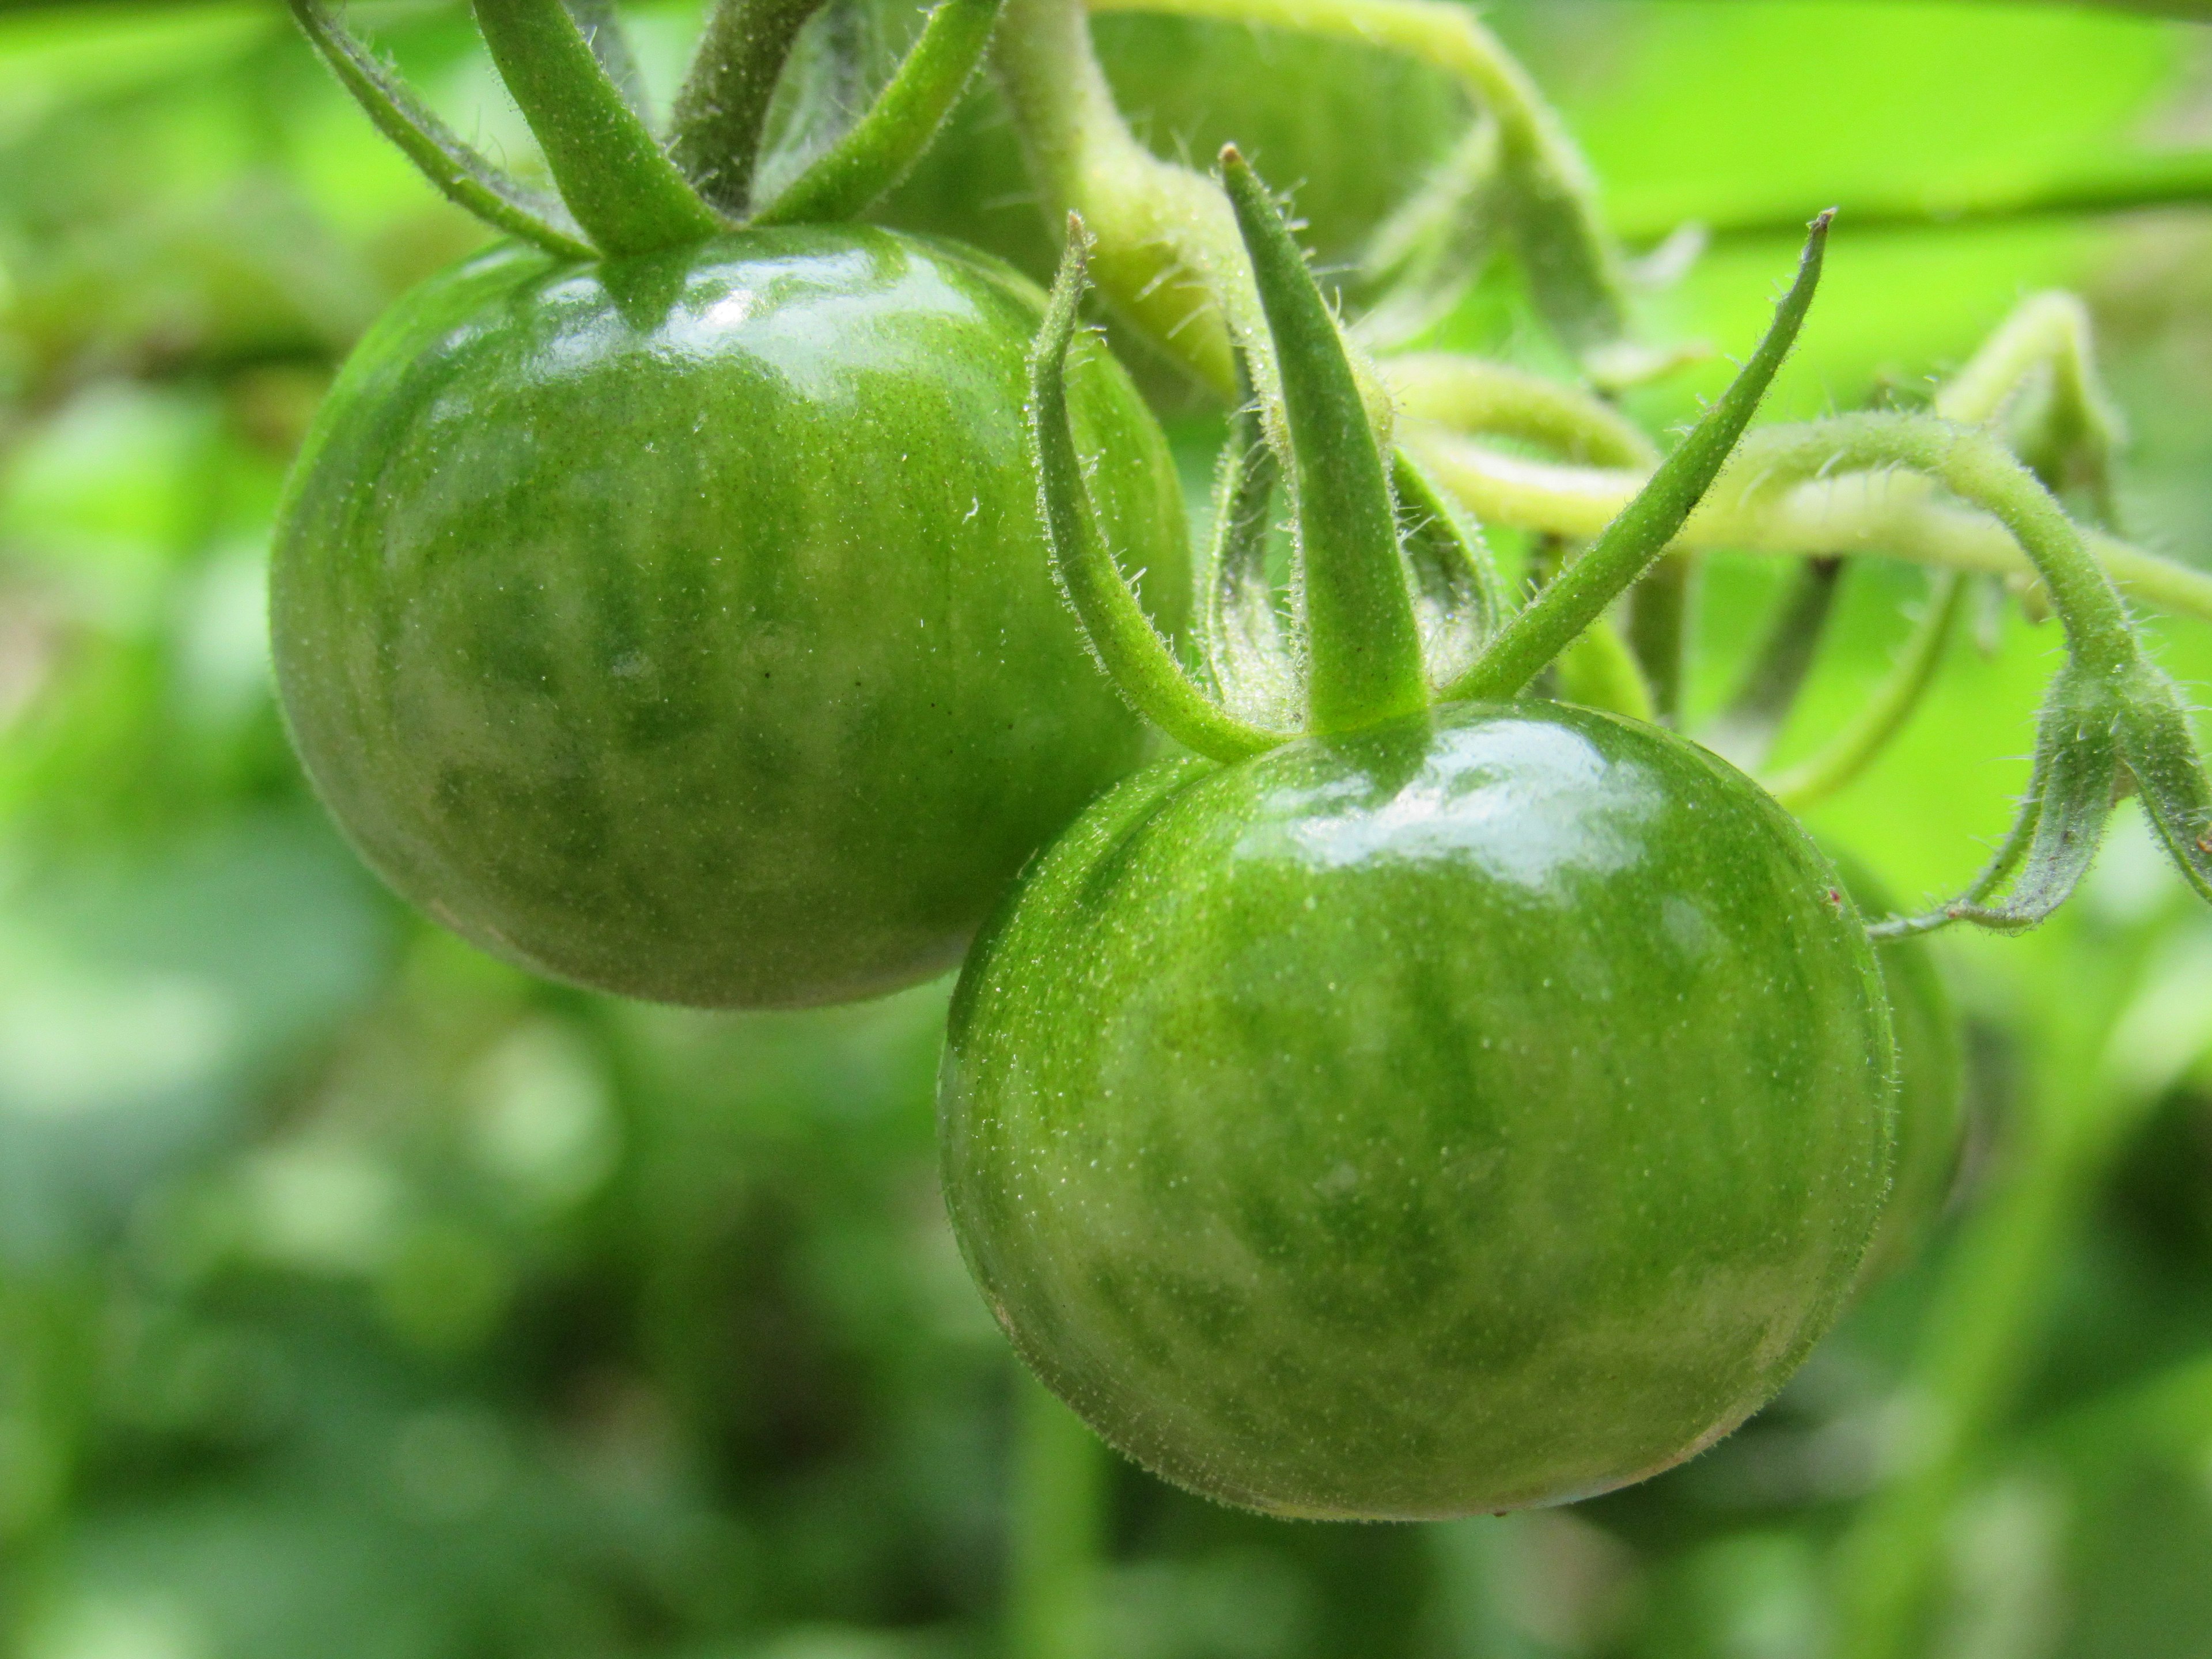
{"type": "Point", "coordinates": [683, 626]}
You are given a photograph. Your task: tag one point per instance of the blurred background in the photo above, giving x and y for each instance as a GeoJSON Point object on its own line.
{"type": "Point", "coordinates": [362, 1298]}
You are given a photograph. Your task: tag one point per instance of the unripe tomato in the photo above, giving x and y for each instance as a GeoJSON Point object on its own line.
{"type": "Point", "coordinates": [683, 626]}
{"type": "Point", "coordinates": [1484, 1110]}
{"type": "Point", "coordinates": [1931, 1103]}
{"type": "Point", "coordinates": [1352, 129]}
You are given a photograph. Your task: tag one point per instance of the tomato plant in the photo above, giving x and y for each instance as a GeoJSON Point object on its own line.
{"type": "Point", "coordinates": [677, 622]}
{"type": "Point", "coordinates": [1461, 1085]}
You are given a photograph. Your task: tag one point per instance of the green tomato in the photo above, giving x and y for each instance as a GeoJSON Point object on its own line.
{"type": "Point", "coordinates": [1931, 1098]}
{"type": "Point", "coordinates": [1353, 129]}
{"type": "Point", "coordinates": [1485, 1111]}
{"type": "Point", "coordinates": [682, 627]}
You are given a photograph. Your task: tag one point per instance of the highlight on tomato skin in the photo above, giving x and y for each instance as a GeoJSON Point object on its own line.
{"type": "Point", "coordinates": [681, 626]}
{"type": "Point", "coordinates": [1481, 1111]}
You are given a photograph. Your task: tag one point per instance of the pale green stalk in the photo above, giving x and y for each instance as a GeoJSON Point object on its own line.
{"type": "Point", "coordinates": [1890, 512]}
{"type": "Point", "coordinates": [1574, 266]}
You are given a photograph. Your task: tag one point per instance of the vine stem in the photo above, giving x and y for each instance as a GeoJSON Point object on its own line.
{"type": "Point", "coordinates": [1056, 1532]}
{"type": "Point", "coordinates": [1974, 465]}
{"type": "Point", "coordinates": [1574, 263]}
{"type": "Point", "coordinates": [1886, 512]}
{"type": "Point", "coordinates": [1167, 254]}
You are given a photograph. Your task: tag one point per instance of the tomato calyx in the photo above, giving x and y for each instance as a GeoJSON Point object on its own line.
{"type": "Point", "coordinates": [622, 192]}
{"type": "Point", "coordinates": [1398, 604]}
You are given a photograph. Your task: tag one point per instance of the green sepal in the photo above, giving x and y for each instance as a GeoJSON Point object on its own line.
{"type": "Point", "coordinates": [1457, 594]}
{"type": "Point", "coordinates": [1141, 663]}
{"type": "Point", "coordinates": [2161, 756]}
{"type": "Point", "coordinates": [1363, 646]}
{"type": "Point", "coordinates": [2062, 818]}
{"type": "Point", "coordinates": [461, 174]}
{"type": "Point", "coordinates": [721, 109]}
{"type": "Point", "coordinates": [1581, 591]}
{"type": "Point", "coordinates": [884, 145]}
{"type": "Point", "coordinates": [1254, 671]}
{"type": "Point", "coordinates": [603, 31]}
{"type": "Point", "coordinates": [617, 181]}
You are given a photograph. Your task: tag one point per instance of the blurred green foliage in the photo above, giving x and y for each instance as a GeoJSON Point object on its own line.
{"type": "Point", "coordinates": [362, 1299]}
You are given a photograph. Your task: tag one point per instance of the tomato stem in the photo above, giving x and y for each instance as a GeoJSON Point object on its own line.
{"type": "Point", "coordinates": [1363, 646]}
{"type": "Point", "coordinates": [1474, 396]}
{"type": "Point", "coordinates": [2108, 707]}
{"type": "Point", "coordinates": [1166, 253]}
{"type": "Point", "coordinates": [461, 174]}
{"type": "Point", "coordinates": [1549, 201]}
{"type": "Point", "coordinates": [722, 110]}
{"type": "Point", "coordinates": [1128, 646]}
{"type": "Point", "coordinates": [1057, 1530]}
{"type": "Point", "coordinates": [1581, 592]}
{"type": "Point", "coordinates": [885, 143]}
{"type": "Point", "coordinates": [623, 190]}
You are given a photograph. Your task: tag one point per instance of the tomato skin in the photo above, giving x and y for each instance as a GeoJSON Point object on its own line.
{"type": "Point", "coordinates": [683, 627]}
{"type": "Point", "coordinates": [1931, 1089]}
{"type": "Point", "coordinates": [1430, 1121]}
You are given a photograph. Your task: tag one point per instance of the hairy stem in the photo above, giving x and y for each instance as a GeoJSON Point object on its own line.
{"type": "Point", "coordinates": [1476, 397]}
{"type": "Point", "coordinates": [721, 111]}
{"type": "Point", "coordinates": [1627, 546]}
{"type": "Point", "coordinates": [848, 179]}
{"type": "Point", "coordinates": [613, 174]}
{"type": "Point", "coordinates": [1887, 512]}
{"type": "Point", "coordinates": [1573, 265]}
{"type": "Point", "coordinates": [1363, 645]}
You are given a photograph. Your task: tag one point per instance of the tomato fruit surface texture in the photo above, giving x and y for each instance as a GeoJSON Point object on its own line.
{"type": "Point", "coordinates": [683, 626]}
{"type": "Point", "coordinates": [1931, 1102]}
{"type": "Point", "coordinates": [1479, 1111]}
